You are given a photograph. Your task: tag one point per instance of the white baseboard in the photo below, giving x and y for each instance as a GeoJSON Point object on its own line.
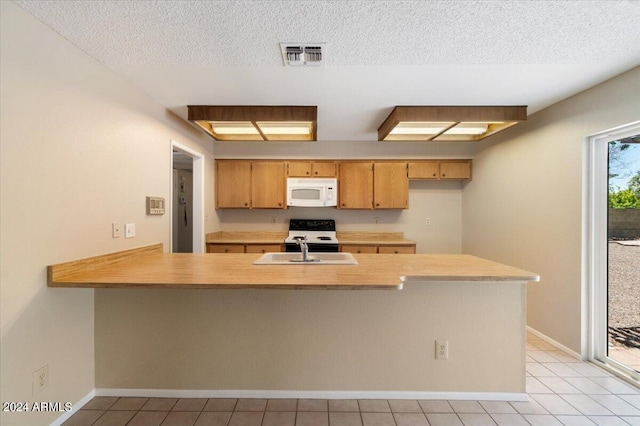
{"type": "Point", "coordinates": [273, 394]}
{"type": "Point", "coordinates": [78, 405]}
{"type": "Point", "coordinates": [558, 345]}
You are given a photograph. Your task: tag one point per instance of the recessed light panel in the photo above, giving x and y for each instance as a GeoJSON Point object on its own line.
{"type": "Point", "coordinates": [448, 123]}
{"type": "Point", "coordinates": [256, 123]}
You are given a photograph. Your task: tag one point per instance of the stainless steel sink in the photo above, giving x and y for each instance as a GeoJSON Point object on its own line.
{"type": "Point", "coordinates": [279, 258]}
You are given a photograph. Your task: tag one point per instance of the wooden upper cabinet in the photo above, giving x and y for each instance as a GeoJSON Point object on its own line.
{"type": "Point", "coordinates": [311, 168]}
{"type": "Point", "coordinates": [299, 168]}
{"type": "Point", "coordinates": [356, 185]}
{"type": "Point", "coordinates": [390, 186]}
{"type": "Point", "coordinates": [452, 169]}
{"type": "Point", "coordinates": [455, 170]}
{"type": "Point", "coordinates": [233, 184]}
{"type": "Point", "coordinates": [268, 185]}
{"type": "Point", "coordinates": [424, 170]}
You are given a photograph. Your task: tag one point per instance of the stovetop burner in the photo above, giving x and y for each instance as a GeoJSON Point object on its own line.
{"type": "Point", "coordinates": [317, 231]}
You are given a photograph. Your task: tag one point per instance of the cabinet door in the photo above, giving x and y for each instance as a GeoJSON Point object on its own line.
{"type": "Point", "coordinates": [262, 248]}
{"type": "Point", "coordinates": [356, 185]}
{"type": "Point", "coordinates": [424, 170]}
{"type": "Point", "coordinates": [358, 248]}
{"type": "Point", "coordinates": [397, 249]}
{"type": "Point", "coordinates": [233, 184]}
{"type": "Point", "coordinates": [268, 185]}
{"type": "Point", "coordinates": [225, 248]}
{"type": "Point", "coordinates": [299, 168]}
{"type": "Point", "coordinates": [457, 170]}
{"type": "Point", "coordinates": [390, 186]}
{"type": "Point", "coordinates": [324, 169]}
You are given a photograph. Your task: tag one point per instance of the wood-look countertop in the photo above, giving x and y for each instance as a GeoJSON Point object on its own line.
{"type": "Point", "coordinates": [149, 267]}
{"type": "Point", "coordinates": [243, 237]}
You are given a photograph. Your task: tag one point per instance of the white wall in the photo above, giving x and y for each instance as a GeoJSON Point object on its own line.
{"type": "Point", "coordinates": [524, 205]}
{"type": "Point", "coordinates": [80, 148]}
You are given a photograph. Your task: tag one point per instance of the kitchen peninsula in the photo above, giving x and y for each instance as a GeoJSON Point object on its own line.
{"type": "Point", "coordinates": [149, 267]}
{"type": "Point", "coordinates": [282, 331]}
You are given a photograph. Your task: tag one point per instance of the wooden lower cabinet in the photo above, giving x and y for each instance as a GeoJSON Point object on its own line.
{"type": "Point", "coordinates": [397, 249]}
{"type": "Point", "coordinates": [243, 248]}
{"type": "Point", "coordinates": [263, 248]}
{"type": "Point", "coordinates": [380, 248]}
{"type": "Point", "coordinates": [225, 248]}
{"type": "Point", "coordinates": [358, 248]}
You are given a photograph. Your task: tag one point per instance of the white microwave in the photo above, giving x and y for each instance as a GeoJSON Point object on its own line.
{"type": "Point", "coordinates": [312, 192]}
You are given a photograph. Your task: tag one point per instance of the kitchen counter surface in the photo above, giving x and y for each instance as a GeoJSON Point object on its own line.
{"type": "Point", "coordinates": [149, 267]}
{"type": "Point", "coordinates": [380, 238]}
{"type": "Point", "coordinates": [226, 237]}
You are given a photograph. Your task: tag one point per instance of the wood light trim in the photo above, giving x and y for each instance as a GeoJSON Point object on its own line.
{"type": "Point", "coordinates": [251, 117]}
{"type": "Point", "coordinates": [496, 118]}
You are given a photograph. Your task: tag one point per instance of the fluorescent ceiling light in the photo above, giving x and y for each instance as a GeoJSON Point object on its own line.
{"type": "Point", "coordinates": [285, 128]}
{"type": "Point", "coordinates": [448, 123]}
{"type": "Point", "coordinates": [233, 128]}
{"type": "Point", "coordinates": [256, 123]}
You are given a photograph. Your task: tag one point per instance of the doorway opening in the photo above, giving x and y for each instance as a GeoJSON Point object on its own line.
{"type": "Point", "coordinates": [614, 250]}
{"type": "Point", "coordinates": [187, 200]}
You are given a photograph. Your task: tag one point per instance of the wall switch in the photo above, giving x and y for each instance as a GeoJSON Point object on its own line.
{"type": "Point", "coordinates": [40, 379]}
{"type": "Point", "coordinates": [129, 230]}
{"type": "Point", "coordinates": [377, 220]}
{"type": "Point", "coordinates": [115, 229]}
{"type": "Point", "coordinates": [427, 221]}
{"type": "Point", "coordinates": [273, 219]}
{"type": "Point", "coordinates": [442, 349]}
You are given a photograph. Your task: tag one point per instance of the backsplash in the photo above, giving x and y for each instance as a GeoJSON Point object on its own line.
{"type": "Point", "coordinates": [441, 202]}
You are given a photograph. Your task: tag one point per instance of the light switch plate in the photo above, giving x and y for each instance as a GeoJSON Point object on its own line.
{"type": "Point", "coordinates": [129, 230]}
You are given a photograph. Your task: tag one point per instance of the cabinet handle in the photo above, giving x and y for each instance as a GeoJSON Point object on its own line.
{"type": "Point", "coordinates": [377, 204]}
{"type": "Point", "coordinates": [443, 175]}
{"type": "Point", "coordinates": [343, 204]}
{"type": "Point", "coordinates": [226, 250]}
{"type": "Point", "coordinates": [396, 252]}
{"type": "Point", "coordinates": [246, 204]}
{"type": "Point", "coordinates": [316, 173]}
{"type": "Point", "coordinates": [307, 172]}
{"type": "Point", "coordinates": [434, 175]}
{"type": "Point", "coordinates": [280, 204]}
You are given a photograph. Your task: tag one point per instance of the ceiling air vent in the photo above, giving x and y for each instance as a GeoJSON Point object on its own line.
{"type": "Point", "coordinates": [302, 54]}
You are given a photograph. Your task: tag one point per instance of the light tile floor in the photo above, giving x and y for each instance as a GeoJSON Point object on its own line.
{"type": "Point", "coordinates": [561, 389]}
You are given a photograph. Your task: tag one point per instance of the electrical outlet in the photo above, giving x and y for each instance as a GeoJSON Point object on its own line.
{"type": "Point", "coordinates": [442, 349]}
{"type": "Point", "coordinates": [273, 219]}
{"type": "Point", "coordinates": [129, 230]}
{"type": "Point", "coordinates": [40, 379]}
{"type": "Point", "coordinates": [377, 219]}
{"type": "Point", "coordinates": [427, 221]}
{"type": "Point", "coordinates": [115, 229]}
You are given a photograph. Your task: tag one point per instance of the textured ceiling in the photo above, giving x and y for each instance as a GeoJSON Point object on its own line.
{"type": "Point", "coordinates": [379, 53]}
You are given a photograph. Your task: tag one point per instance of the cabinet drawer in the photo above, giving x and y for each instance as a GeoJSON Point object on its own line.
{"type": "Point", "coordinates": [225, 248]}
{"type": "Point", "coordinates": [358, 248]}
{"type": "Point", "coordinates": [396, 249]}
{"type": "Point", "coordinates": [263, 248]}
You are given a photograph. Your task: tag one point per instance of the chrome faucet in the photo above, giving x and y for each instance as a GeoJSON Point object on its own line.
{"type": "Point", "coordinates": [304, 248]}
